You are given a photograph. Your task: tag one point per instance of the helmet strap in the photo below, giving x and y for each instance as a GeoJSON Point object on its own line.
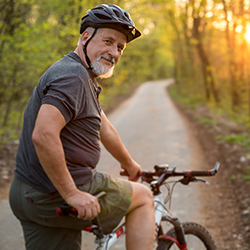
{"type": "Point", "coordinates": [85, 50]}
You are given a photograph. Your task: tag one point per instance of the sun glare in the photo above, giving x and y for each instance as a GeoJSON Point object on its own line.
{"type": "Point", "coordinates": [247, 34]}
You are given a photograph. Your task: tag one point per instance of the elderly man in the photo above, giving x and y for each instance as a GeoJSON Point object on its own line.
{"type": "Point", "coordinates": [59, 146]}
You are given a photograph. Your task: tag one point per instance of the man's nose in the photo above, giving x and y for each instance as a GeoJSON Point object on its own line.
{"type": "Point", "coordinates": [114, 52]}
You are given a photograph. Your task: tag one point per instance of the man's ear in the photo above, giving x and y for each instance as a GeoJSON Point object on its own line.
{"type": "Point", "coordinates": [85, 37]}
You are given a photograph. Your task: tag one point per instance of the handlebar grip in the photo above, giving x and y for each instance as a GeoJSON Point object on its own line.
{"type": "Point", "coordinates": [212, 172]}
{"type": "Point", "coordinates": [65, 210]}
{"type": "Point", "coordinates": [125, 173]}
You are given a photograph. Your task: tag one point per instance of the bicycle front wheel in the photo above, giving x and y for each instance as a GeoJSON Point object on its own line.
{"type": "Point", "coordinates": [197, 237]}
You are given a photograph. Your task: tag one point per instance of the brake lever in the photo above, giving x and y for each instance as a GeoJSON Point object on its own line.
{"type": "Point", "coordinates": [201, 180]}
{"type": "Point", "coordinates": [187, 180]}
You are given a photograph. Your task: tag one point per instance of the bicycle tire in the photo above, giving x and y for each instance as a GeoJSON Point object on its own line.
{"type": "Point", "coordinates": [197, 237]}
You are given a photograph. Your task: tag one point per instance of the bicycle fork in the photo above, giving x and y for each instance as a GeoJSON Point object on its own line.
{"type": "Point", "coordinates": [162, 214]}
{"type": "Point", "coordinates": [180, 236]}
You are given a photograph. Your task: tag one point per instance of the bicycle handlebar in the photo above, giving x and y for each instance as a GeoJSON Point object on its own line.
{"type": "Point", "coordinates": [167, 171]}
{"type": "Point", "coordinates": [196, 173]}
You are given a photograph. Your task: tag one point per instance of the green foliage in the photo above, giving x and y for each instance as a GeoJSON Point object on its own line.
{"type": "Point", "coordinates": [241, 139]}
{"type": "Point", "coordinates": [205, 121]}
{"type": "Point", "coordinates": [185, 97]}
{"type": "Point", "coordinates": [233, 177]}
{"type": "Point", "coordinates": [246, 175]}
{"type": "Point", "coordinates": [34, 34]}
{"type": "Point", "coordinates": [192, 41]}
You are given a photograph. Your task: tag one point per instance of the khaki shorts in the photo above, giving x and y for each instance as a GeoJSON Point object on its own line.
{"type": "Point", "coordinates": [44, 229]}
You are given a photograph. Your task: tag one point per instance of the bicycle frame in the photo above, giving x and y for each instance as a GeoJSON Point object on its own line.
{"type": "Point", "coordinates": [110, 239]}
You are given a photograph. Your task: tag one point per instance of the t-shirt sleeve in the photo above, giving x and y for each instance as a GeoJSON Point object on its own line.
{"type": "Point", "coordinates": [67, 95]}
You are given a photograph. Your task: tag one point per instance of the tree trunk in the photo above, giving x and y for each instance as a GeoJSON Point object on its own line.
{"type": "Point", "coordinates": [235, 100]}
{"type": "Point", "coordinates": [208, 77]}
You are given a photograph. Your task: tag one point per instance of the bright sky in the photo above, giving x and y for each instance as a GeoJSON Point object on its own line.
{"type": "Point", "coordinates": [247, 35]}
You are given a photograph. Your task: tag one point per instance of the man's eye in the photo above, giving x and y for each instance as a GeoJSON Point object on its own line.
{"type": "Point", "coordinates": [120, 48]}
{"type": "Point", "coordinates": [108, 41]}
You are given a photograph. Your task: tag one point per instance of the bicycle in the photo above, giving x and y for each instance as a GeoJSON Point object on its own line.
{"type": "Point", "coordinates": [185, 236]}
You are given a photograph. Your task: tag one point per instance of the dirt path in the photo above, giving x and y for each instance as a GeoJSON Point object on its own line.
{"type": "Point", "coordinates": [227, 204]}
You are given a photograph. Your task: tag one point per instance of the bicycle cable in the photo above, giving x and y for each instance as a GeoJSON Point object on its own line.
{"type": "Point", "coordinates": [163, 207]}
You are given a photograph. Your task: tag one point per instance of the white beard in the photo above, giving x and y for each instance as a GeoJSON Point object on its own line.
{"type": "Point", "coordinates": [100, 70]}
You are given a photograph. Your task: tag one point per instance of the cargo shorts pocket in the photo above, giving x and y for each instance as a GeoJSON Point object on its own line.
{"type": "Point", "coordinates": [41, 207]}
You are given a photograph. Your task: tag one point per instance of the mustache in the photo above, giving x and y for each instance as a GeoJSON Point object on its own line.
{"type": "Point", "coordinates": [109, 58]}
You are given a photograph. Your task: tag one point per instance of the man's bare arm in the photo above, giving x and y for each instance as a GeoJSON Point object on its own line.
{"type": "Point", "coordinates": [112, 142]}
{"type": "Point", "coordinates": [49, 149]}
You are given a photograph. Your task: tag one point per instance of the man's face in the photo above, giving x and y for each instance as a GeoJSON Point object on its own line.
{"type": "Point", "coordinates": [104, 51]}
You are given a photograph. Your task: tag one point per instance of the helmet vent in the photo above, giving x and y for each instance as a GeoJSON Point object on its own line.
{"type": "Point", "coordinates": [103, 17]}
{"type": "Point", "coordinates": [116, 13]}
{"type": "Point", "coordinates": [126, 14]}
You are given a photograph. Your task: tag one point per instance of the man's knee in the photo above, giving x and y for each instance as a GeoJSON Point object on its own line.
{"type": "Point", "coordinates": [141, 196]}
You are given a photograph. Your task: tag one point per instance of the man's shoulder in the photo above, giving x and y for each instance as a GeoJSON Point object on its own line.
{"type": "Point", "coordinates": [72, 62]}
{"type": "Point", "coordinates": [69, 66]}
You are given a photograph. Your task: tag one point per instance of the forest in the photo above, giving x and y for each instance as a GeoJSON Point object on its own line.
{"type": "Point", "coordinates": [203, 45]}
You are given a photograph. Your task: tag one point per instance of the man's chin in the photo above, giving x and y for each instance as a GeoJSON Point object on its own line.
{"type": "Point", "coordinates": [102, 71]}
{"type": "Point", "coordinates": [107, 74]}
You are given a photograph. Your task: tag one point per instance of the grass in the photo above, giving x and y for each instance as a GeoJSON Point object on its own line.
{"type": "Point", "coordinates": [241, 139]}
{"type": "Point", "coordinates": [246, 176]}
{"type": "Point", "coordinates": [203, 120]}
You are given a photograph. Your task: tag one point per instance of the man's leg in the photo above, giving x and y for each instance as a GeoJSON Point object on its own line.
{"type": "Point", "coordinates": [140, 219]}
{"type": "Point", "coordinates": [38, 237]}
{"type": "Point", "coordinates": [37, 209]}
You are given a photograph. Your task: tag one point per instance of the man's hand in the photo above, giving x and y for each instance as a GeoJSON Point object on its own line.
{"type": "Point", "coordinates": [86, 204]}
{"type": "Point", "coordinates": [133, 170]}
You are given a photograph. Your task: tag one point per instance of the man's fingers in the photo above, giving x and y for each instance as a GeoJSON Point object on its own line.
{"type": "Point", "coordinates": [136, 178]}
{"type": "Point", "coordinates": [89, 212]}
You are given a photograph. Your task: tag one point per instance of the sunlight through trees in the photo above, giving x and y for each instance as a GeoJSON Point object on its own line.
{"type": "Point", "coordinates": [204, 45]}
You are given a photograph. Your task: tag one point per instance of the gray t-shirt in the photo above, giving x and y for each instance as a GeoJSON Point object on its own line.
{"type": "Point", "coordinates": [70, 87]}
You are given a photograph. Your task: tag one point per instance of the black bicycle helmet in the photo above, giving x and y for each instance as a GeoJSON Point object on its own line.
{"type": "Point", "coordinates": [110, 16]}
